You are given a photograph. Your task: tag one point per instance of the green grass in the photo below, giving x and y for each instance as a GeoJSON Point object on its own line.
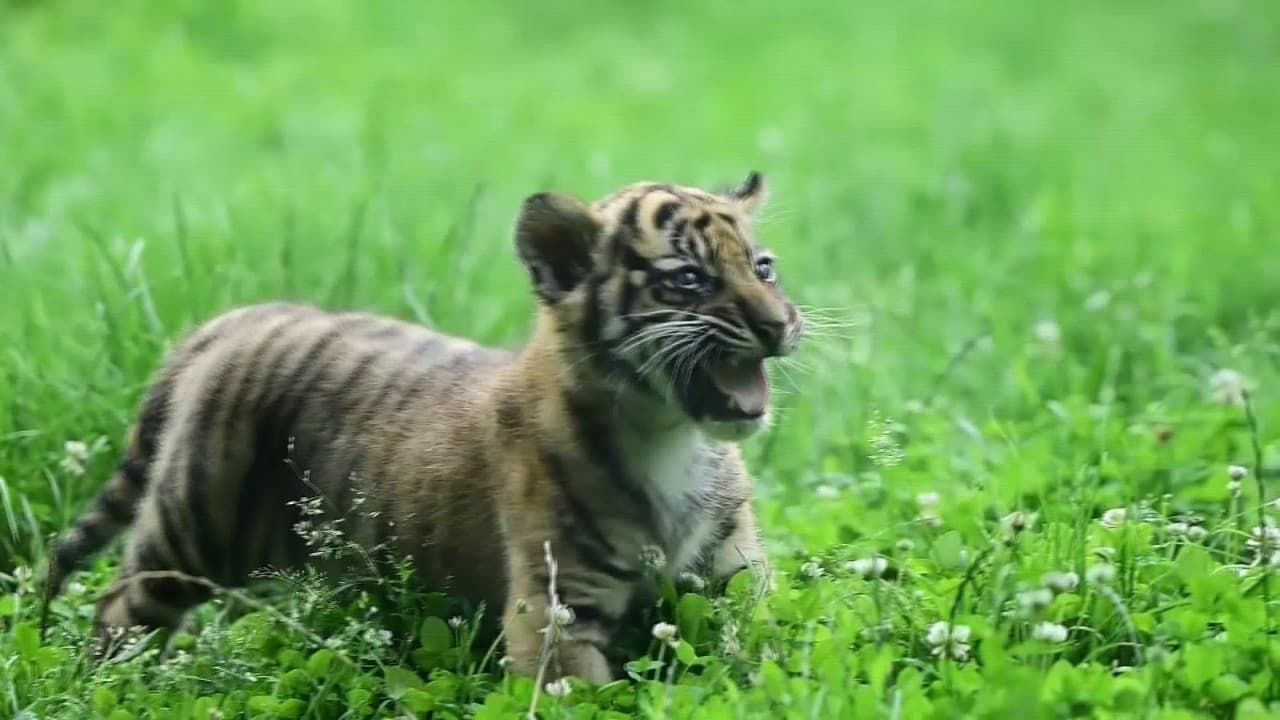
{"type": "Point", "coordinates": [949, 179]}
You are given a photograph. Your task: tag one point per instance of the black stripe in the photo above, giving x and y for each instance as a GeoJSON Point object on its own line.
{"type": "Point", "coordinates": [68, 557]}
{"type": "Point", "coordinates": [153, 416]}
{"type": "Point", "coordinates": [590, 328]}
{"type": "Point", "coordinates": [591, 318]}
{"type": "Point", "coordinates": [198, 479]}
{"type": "Point", "coordinates": [215, 416]}
{"type": "Point", "coordinates": [293, 388]}
{"type": "Point", "coordinates": [628, 218]}
{"type": "Point", "coordinates": [701, 223]}
{"type": "Point", "coordinates": [208, 545]}
{"type": "Point", "coordinates": [369, 410]}
{"type": "Point", "coordinates": [728, 219]}
{"type": "Point", "coordinates": [364, 413]}
{"type": "Point", "coordinates": [581, 513]}
{"type": "Point", "coordinates": [592, 545]}
{"type": "Point", "coordinates": [340, 400]}
{"type": "Point", "coordinates": [258, 489]}
{"type": "Point", "coordinates": [679, 239]}
{"type": "Point", "coordinates": [176, 538]}
{"type": "Point", "coordinates": [632, 260]}
{"type": "Point", "coordinates": [269, 447]}
{"type": "Point", "coordinates": [96, 534]}
{"type": "Point", "coordinates": [134, 471]}
{"type": "Point", "coordinates": [663, 214]}
{"type": "Point", "coordinates": [413, 392]}
{"type": "Point", "coordinates": [593, 434]}
{"type": "Point", "coordinates": [728, 526]}
{"type": "Point", "coordinates": [510, 416]}
{"type": "Point", "coordinates": [629, 293]}
{"type": "Point", "coordinates": [171, 591]}
{"type": "Point", "coordinates": [117, 508]}
{"type": "Point", "coordinates": [199, 345]}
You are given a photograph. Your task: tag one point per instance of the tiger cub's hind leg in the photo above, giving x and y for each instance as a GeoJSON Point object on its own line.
{"type": "Point", "coordinates": [152, 592]}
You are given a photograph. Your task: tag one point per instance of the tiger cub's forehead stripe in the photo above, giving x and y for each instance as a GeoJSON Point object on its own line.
{"type": "Point", "coordinates": [664, 212]}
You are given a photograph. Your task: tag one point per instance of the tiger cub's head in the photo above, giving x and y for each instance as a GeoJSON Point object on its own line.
{"type": "Point", "coordinates": [666, 290]}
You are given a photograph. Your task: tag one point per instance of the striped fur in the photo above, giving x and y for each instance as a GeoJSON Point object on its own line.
{"type": "Point", "coordinates": [609, 433]}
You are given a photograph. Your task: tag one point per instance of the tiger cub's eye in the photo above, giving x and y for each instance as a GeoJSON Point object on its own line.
{"type": "Point", "coordinates": [689, 279]}
{"type": "Point", "coordinates": [765, 270]}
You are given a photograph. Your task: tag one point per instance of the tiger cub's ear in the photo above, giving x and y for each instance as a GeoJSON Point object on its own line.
{"type": "Point", "coordinates": [750, 194]}
{"type": "Point", "coordinates": [555, 238]}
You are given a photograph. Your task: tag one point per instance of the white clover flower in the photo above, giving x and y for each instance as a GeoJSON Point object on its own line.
{"type": "Point", "coordinates": [872, 567]}
{"type": "Point", "coordinates": [1047, 333]}
{"type": "Point", "coordinates": [1178, 529]}
{"type": "Point", "coordinates": [71, 466]}
{"type": "Point", "coordinates": [905, 545]}
{"type": "Point", "coordinates": [928, 500]}
{"type": "Point", "coordinates": [1101, 574]}
{"type": "Point", "coordinates": [664, 632]}
{"type": "Point", "coordinates": [826, 492]}
{"type": "Point", "coordinates": [729, 639]}
{"type": "Point", "coordinates": [1237, 472]}
{"type": "Point", "coordinates": [455, 622]}
{"type": "Point", "coordinates": [559, 615]}
{"type": "Point", "coordinates": [1227, 387]}
{"type": "Point", "coordinates": [1033, 601]}
{"type": "Point", "coordinates": [76, 454]}
{"type": "Point", "coordinates": [1049, 632]}
{"type": "Point", "coordinates": [1196, 533]}
{"type": "Point", "coordinates": [1098, 301]}
{"type": "Point", "coordinates": [76, 449]}
{"type": "Point", "coordinates": [558, 688]}
{"type": "Point", "coordinates": [811, 569]}
{"type": "Point", "coordinates": [1061, 581]}
{"type": "Point", "coordinates": [22, 576]}
{"type": "Point", "coordinates": [947, 640]}
{"type": "Point", "coordinates": [505, 661]}
{"type": "Point", "coordinates": [377, 637]}
{"type": "Point", "coordinates": [76, 588]}
{"type": "Point", "coordinates": [1265, 537]}
{"type": "Point", "coordinates": [653, 557]}
{"type": "Point", "coordinates": [1114, 518]}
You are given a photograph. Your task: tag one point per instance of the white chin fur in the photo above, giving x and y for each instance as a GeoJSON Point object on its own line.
{"type": "Point", "coordinates": [733, 430]}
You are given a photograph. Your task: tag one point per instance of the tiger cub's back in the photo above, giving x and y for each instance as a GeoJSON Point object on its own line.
{"type": "Point", "coordinates": [272, 403]}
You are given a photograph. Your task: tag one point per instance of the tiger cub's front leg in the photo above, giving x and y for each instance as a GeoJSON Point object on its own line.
{"type": "Point", "coordinates": [566, 640]}
{"type": "Point", "coordinates": [741, 550]}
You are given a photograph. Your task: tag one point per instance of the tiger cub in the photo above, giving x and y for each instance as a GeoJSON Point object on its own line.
{"type": "Point", "coordinates": [612, 432]}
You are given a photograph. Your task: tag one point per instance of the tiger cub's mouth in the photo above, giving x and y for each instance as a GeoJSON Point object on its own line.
{"type": "Point", "coordinates": [743, 387]}
{"type": "Point", "coordinates": [728, 396]}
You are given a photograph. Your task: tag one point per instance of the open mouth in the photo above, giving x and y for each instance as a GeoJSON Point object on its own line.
{"type": "Point", "coordinates": [729, 389]}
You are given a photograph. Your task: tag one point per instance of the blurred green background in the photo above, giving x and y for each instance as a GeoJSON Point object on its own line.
{"type": "Point", "coordinates": [945, 176]}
